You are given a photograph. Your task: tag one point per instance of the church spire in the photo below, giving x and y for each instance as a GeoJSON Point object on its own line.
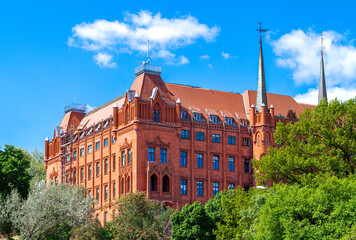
{"type": "Point", "coordinates": [261, 86]}
{"type": "Point", "coordinates": [322, 86]}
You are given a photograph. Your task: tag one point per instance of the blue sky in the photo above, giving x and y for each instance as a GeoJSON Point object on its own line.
{"type": "Point", "coordinates": [47, 47]}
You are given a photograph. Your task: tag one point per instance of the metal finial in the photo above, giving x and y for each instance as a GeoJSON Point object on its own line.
{"type": "Point", "coordinates": [261, 30]}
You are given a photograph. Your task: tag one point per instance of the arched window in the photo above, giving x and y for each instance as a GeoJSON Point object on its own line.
{"type": "Point", "coordinates": [128, 184]}
{"type": "Point", "coordinates": [127, 117]}
{"type": "Point", "coordinates": [258, 139]}
{"type": "Point", "coordinates": [267, 139]}
{"type": "Point", "coordinates": [122, 186]}
{"type": "Point", "coordinates": [165, 184]}
{"type": "Point", "coordinates": [153, 182]}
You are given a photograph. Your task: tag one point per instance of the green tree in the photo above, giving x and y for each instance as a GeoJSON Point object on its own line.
{"type": "Point", "coordinates": [37, 168]}
{"type": "Point", "coordinates": [51, 212]}
{"type": "Point", "coordinates": [139, 218]}
{"type": "Point", "coordinates": [240, 210]}
{"type": "Point", "coordinates": [7, 206]}
{"type": "Point", "coordinates": [214, 208]}
{"type": "Point", "coordinates": [193, 222]}
{"type": "Point", "coordinates": [323, 141]}
{"type": "Point", "coordinates": [14, 172]}
{"type": "Point", "coordinates": [326, 210]}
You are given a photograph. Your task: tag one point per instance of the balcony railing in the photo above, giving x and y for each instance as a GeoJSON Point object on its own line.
{"type": "Point", "coordinates": [148, 69]}
{"type": "Point", "coordinates": [76, 107]}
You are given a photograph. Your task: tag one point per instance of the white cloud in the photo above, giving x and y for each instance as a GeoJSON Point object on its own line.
{"type": "Point", "coordinates": [183, 60]}
{"type": "Point", "coordinates": [89, 108]}
{"type": "Point", "coordinates": [204, 57]}
{"type": "Point", "coordinates": [311, 97]}
{"type": "Point", "coordinates": [300, 51]}
{"type": "Point", "coordinates": [104, 60]}
{"type": "Point", "coordinates": [132, 33]}
{"type": "Point", "coordinates": [210, 66]}
{"type": "Point", "coordinates": [226, 55]}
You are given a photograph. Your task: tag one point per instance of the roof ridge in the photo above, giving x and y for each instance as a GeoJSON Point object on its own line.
{"type": "Point", "coordinates": [208, 89]}
{"type": "Point", "coordinates": [104, 105]}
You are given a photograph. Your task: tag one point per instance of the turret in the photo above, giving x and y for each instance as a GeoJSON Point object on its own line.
{"type": "Point", "coordinates": [136, 106]}
{"type": "Point", "coordinates": [252, 115]}
{"type": "Point", "coordinates": [46, 148]}
{"type": "Point", "coordinates": [115, 116]}
{"type": "Point", "coordinates": [263, 113]}
{"type": "Point", "coordinates": [178, 109]}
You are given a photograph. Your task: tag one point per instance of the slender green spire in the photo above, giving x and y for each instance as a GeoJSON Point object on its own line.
{"type": "Point", "coordinates": [261, 86]}
{"type": "Point", "coordinates": [322, 85]}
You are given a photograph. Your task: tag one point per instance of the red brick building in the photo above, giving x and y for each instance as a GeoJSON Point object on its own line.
{"type": "Point", "coordinates": [177, 143]}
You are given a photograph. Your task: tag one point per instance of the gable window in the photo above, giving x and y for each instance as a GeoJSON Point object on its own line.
{"type": "Point", "coordinates": [90, 148]}
{"type": "Point", "coordinates": [183, 186]}
{"type": "Point", "coordinates": [228, 121]}
{"type": "Point", "coordinates": [82, 152]}
{"type": "Point", "coordinates": [245, 141]}
{"type": "Point", "coordinates": [185, 134]}
{"type": "Point", "coordinates": [151, 154]}
{"type": "Point", "coordinates": [215, 162]}
{"type": "Point", "coordinates": [183, 159]}
{"type": "Point", "coordinates": [156, 115]}
{"type": "Point", "coordinates": [231, 140]}
{"type": "Point", "coordinates": [163, 155]}
{"type": "Point", "coordinates": [231, 164]}
{"type": "Point", "coordinates": [215, 188]}
{"type": "Point", "coordinates": [129, 156]}
{"type": "Point", "coordinates": [200, 188]}
{"type": "Point", "coordinates": [247, 165]}
{"type": "Point", "coordinates": [183, 115]}
{"type": "Point", "coordinates": [106, 142]}
{"type": "Point", "coordinates": [197, 116]}
{"type": "Point", "coordinates": [199, 160]}
{"type": "Point", "coordinates": [214, 118]}
{"type": "Point", "coordinates": [123, 158]}
{"type": "Point", "coordinates": [97, 145]}
{"type": "Point", "coordinates": [216, 138]}
{"type": "Point", "coordinates": [199, 136]}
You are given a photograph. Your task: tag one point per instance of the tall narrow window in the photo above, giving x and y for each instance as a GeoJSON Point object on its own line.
{"type": "Point", "coordinates": [183, 186]}
{"type": "Point", "coordinates": [114, 189]}
{"type": "Point", "coordinates": [156, 115]}
{"type": "Point", "coordinates": [231, 164]}
{"type": "Point", "coordinates": [90, 148]}
{"type": "Point", "coordinates": [74, 177]}
{"type": "Point", "coordinates": [267, 139]}
{"type": "Point", "coordinates": [247, 165]}
{"type": "Point", "coordinates": [200, 188]}
{"type": "Point", "coordinates": [258, 140]}
{"type": "Point", "coordinates": [153, 182]}
{"type": "Point", "coordinates": [165, 184]}
{"type": "Point", "coordinates": [75, 155]}
{"type": "Point", "coordinates": [106, 192]}
{"type": "Point", "coordinates": [129, 156]}
{"type": "Point", "coordinates": [97, 145]}
{"type": "Point", "coordinates": [82, 152]}
{"type": "Point", "coordinates": [128, 185]}
{"type": "Point", "coordinates": [81, 174]}
{"type": "Point", "coordinates": [215, 188]}
{"type": "Point", "coordinates": [183, 159]}
{"type": "Point", "coordinates": [106, 165]}
{"type": "Point", "coordinates": [106, 142]}
{"type": "Point", "coordinates": [113, 162]}
{"type": "Point", "coordinates": [97, 194]}
{"type": "Point", "coordinates": [89, 171]}
{"type": "Point", "coordinates": [97, 169]}
{"type": "Point", "coordinates": [199, 160]}
{"type": "Point", "coordinates": [123, 158]}
{"type": "Point", "coordinates": [215, 162]}
{"type": "Point", "coordinates": [127, 118]}
{"type": "Point", "coordinates": [151, 154]}
{"type": "Point", "coordinates": [163, 155]}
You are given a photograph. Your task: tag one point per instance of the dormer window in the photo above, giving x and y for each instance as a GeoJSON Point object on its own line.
{"type": "Point", "coordinates": [228, 120]}
{"type": "Point", "coordinates": [184, 114]}
{"type": "Point", "coordinates": [197, 116]}
{"type": "Point", "coordinates": [214, 118]}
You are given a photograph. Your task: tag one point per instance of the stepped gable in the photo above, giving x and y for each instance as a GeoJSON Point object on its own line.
{"type": "Point", "coordinates": [207, 100]}
{"type": "Point", "coordinates": [145, 83]}
{"type": "Point", "coordinates": [282, 103]}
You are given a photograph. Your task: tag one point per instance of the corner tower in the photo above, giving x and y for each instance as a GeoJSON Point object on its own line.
{"type": "Point", "coordinates": [322, 85]}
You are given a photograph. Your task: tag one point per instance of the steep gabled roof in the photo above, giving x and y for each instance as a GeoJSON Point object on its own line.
{"type": "Point", "coordinates": [209, 101]}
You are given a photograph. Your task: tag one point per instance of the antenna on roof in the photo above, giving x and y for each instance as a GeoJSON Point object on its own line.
{"type": "Point", "coordinates": [148, 51]}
